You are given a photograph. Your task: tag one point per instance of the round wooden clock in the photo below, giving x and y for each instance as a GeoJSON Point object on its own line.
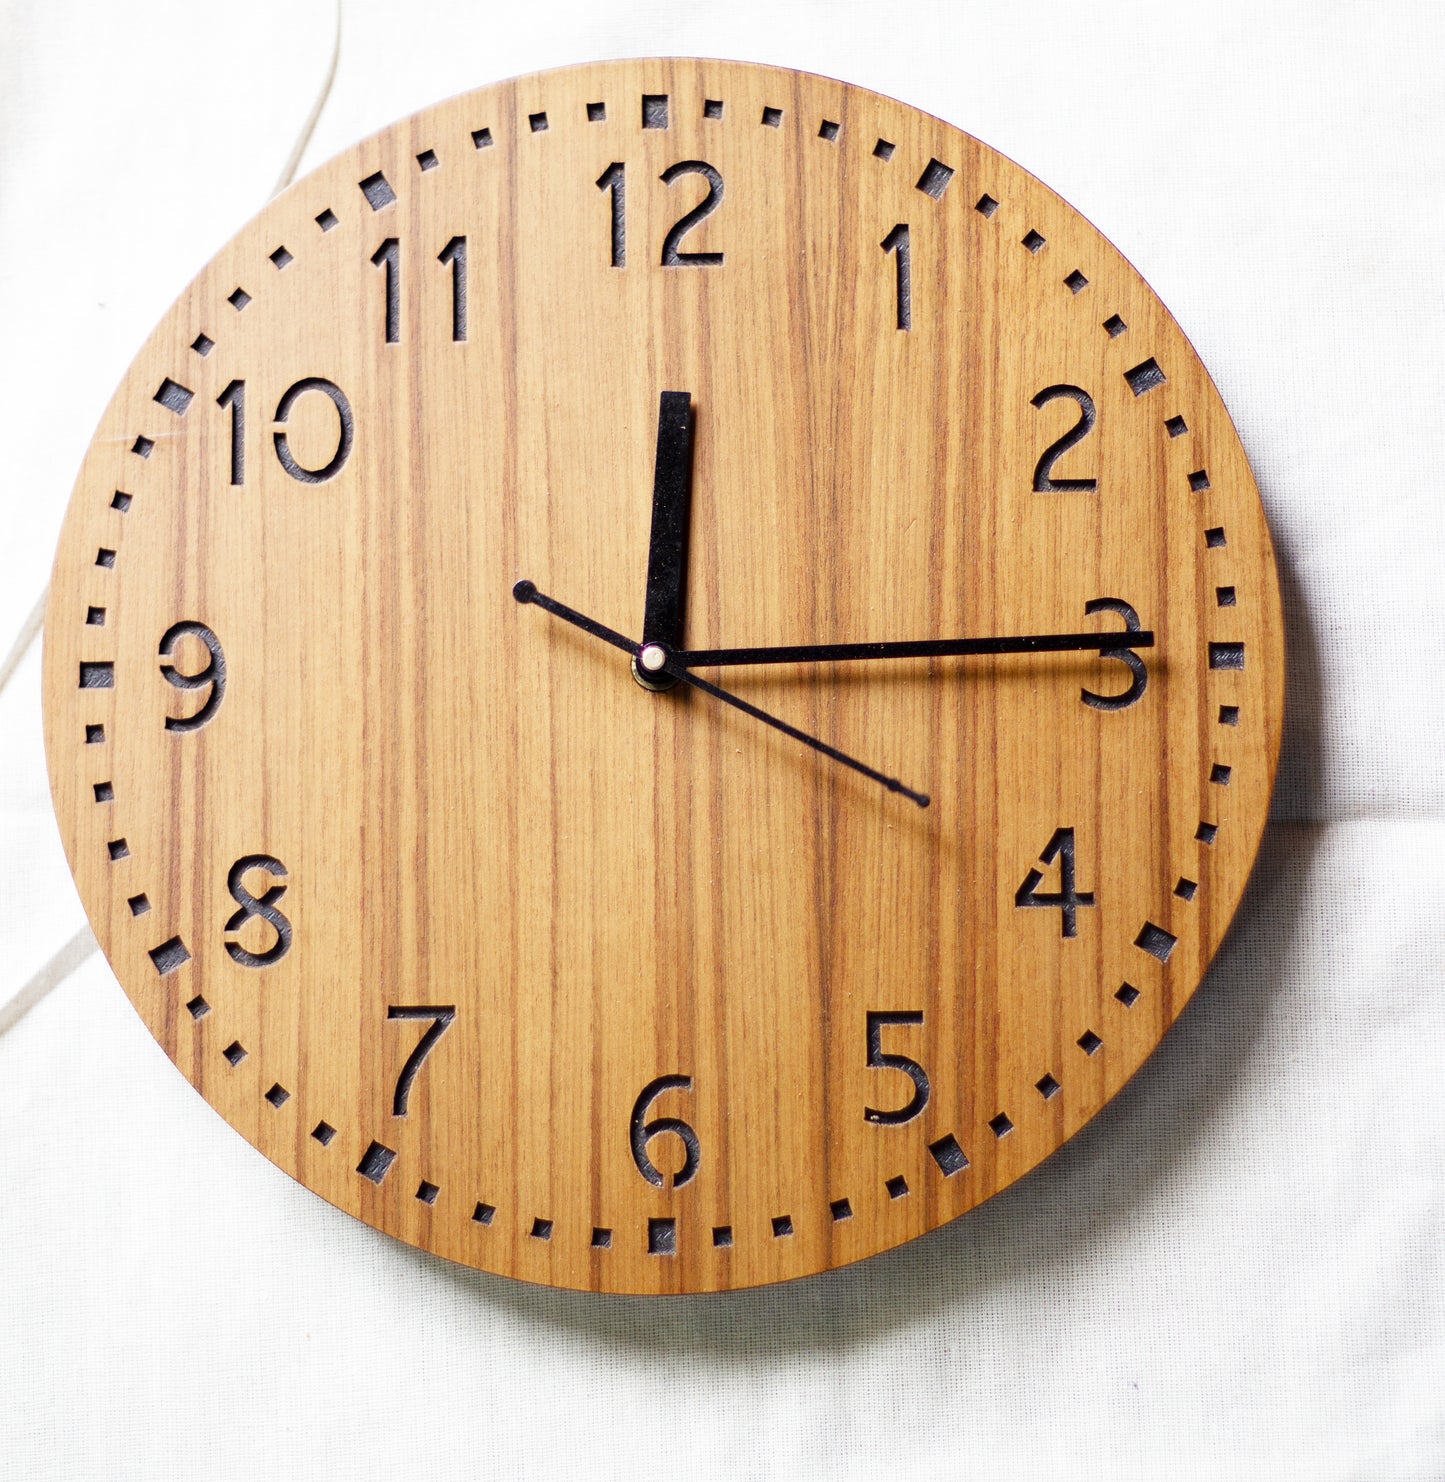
{"type": "Point", "coordinates": [663, 676]}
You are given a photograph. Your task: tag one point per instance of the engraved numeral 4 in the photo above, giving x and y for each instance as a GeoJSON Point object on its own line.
{"type": "Point", "coordinates": [1067, 898]}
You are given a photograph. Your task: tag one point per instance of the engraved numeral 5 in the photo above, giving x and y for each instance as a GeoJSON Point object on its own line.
{"type": "Point", "coordinates": [879, 1059]}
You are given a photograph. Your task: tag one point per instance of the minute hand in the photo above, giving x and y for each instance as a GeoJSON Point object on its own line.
{"type": "Point", "coordinates": [926, 648]}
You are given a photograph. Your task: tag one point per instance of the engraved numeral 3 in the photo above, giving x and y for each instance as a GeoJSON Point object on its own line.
{"type": "Point", "coordinates": [1126, 656]}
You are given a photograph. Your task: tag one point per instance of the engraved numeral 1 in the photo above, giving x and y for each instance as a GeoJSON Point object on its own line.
{"type": "Point", "coordinates": [388, 258]}
{"type": "Point", "coordinates": [896, 244]}
{"type": "Point", "coordinates": [234, 398]}
{"type": "Point", "coordinates": [614, 180]}
{"type": "Point", "coordinates": [454, 255]}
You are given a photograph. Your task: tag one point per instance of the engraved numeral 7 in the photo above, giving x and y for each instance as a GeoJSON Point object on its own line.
{"type": "Point", "coordinates": [441, 1016]}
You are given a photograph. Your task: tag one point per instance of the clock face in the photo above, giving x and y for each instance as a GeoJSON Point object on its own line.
{"type": "Point", "coordinates": [420, 739]}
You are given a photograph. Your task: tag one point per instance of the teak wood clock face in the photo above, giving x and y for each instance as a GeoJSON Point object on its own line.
{"type": "Point", "coordinates": [436, 651]}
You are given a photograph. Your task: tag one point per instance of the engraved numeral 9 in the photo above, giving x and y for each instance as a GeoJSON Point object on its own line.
{"type": "Point", "coordinates": [212, 677]}
{"type": "Point", "coordinates": [262, 906]}
{"type": "Point", "coordinates": [640, 1133]}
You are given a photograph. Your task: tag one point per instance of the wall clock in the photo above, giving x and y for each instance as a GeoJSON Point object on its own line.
{"type": "Point", "coordinates": [663, 676]}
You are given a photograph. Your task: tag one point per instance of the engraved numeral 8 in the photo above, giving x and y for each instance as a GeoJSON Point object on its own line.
{"type": "Point", "coordinates": [262, 906]}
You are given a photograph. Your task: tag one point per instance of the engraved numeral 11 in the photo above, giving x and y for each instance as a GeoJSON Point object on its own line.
{"type": "Point", "coordinates": [387, 257]}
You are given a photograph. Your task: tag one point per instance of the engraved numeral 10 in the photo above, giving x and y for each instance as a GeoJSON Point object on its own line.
{"type": "Point", "coordinates": [233, 398]}
{"type": "Point", "coordinates": [387, 257]}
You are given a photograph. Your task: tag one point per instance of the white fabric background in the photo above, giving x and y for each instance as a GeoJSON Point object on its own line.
{"type": "Point", "coordinates": [1238, 1270]}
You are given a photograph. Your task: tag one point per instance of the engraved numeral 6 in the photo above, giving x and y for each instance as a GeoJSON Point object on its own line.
{"type": "Point", "coordinates": [262, 906]}
{"type": "Point", "coordinates": [640, 1133]}
{"type": "Point", "coordinates": [879, 1059]}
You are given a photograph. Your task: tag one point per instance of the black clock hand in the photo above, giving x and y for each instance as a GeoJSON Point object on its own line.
{"type": "Point", "coordinates": [659, 660]}
{"type": "Point", "coordinates": [928, 648]}
{"type": "Point", "coordinates": [667, 549]}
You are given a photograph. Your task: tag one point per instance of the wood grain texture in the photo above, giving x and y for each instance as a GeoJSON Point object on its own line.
{"type": "Point", "coordinates": [475, 805]}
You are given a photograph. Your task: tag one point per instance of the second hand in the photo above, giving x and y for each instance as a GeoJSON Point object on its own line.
{"type": "Point", "coordinates": [654, 658]}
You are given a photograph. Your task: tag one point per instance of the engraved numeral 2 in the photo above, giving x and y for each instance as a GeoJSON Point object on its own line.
{"type": "Point", "coordinates": [879, 1059]}
{"type": "Point", "coordinates": [1044, 481]}
{"type": "Point", "coordinates": [213, 676]}
{"type": "Point", "coordinates": [441, 1016]}
{"type": "Point", "coordinates": [262, 906]}
{"type": "Point", "coordinates": [640, 1133]}
{"type": "Point", "coordinates": [1067, 898]}
{"type": "Point", "coordinates": [671, 256]}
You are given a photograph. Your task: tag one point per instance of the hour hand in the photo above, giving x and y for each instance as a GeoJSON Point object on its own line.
{"type": "Point", "coordinates": [667, 549]}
